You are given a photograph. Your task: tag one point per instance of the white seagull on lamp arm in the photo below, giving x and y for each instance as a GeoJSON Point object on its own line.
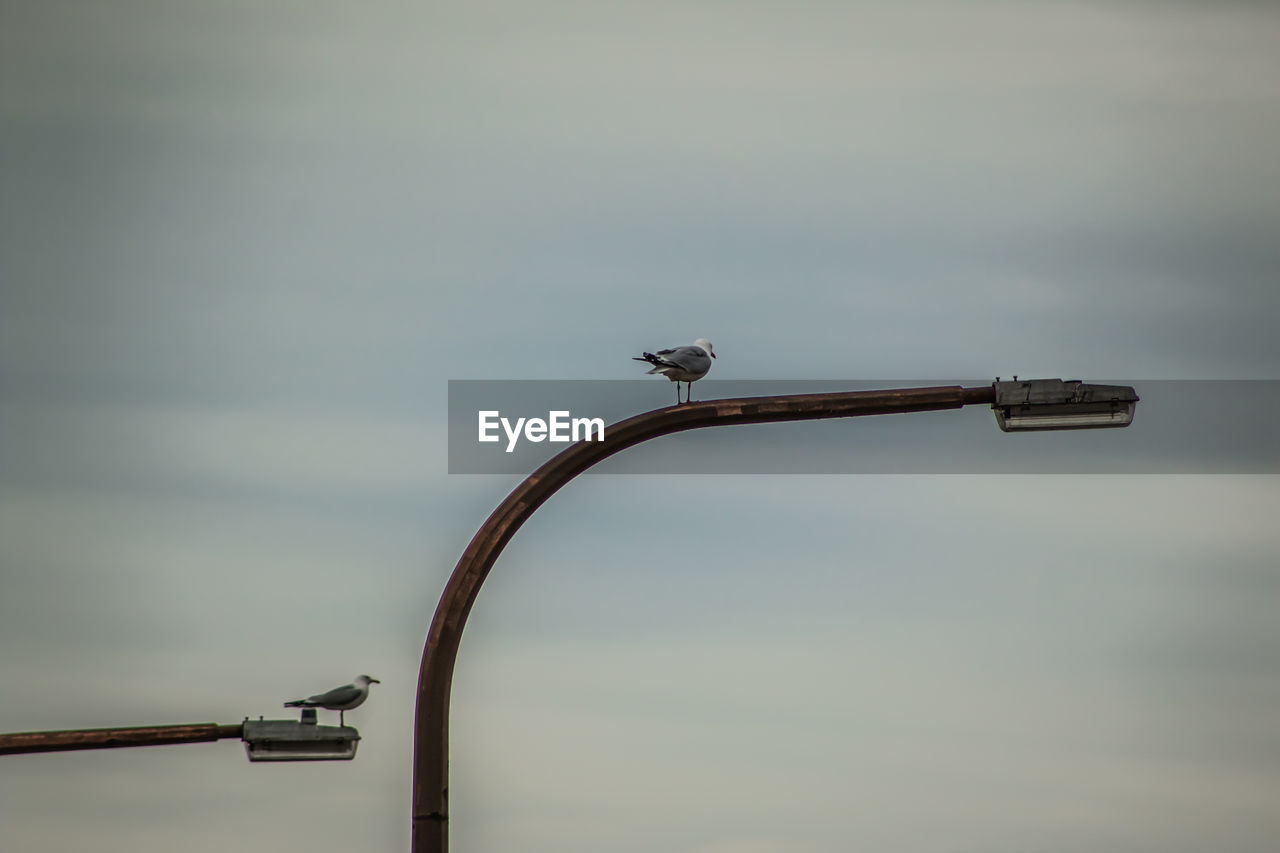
{"type": "Point", "coordinates": [340, 699]}
{"type": "Point", "coordinates": [682, 364]}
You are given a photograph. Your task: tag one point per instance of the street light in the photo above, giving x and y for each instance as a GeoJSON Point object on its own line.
{"type": "Point", "coordinates": [1052, 404]}
{"type": "Point", "coordinates": [1075, 409]}
{"type": "Point", "coordinates": [286, 740]}
{"type": "Point", "coordinates": [264, 740]}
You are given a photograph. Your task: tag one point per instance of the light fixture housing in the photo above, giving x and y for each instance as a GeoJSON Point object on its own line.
{"type": "Point", "coordinates": [287, 740]}
{"type": "Point", "coordinates": [1051, 404]}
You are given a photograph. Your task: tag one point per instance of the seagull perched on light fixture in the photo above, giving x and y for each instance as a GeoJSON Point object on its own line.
{"type": "Point", "coordinates": [340, 699]}
{"type": "Point", "coordinates": [682, 364]}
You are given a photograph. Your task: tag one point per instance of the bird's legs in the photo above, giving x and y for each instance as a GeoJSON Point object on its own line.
{"type": "Point", "coordinates": [342, 718]}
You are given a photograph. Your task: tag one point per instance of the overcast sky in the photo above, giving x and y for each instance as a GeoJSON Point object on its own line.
{"type": "Point", "coordinates": [244, 246]}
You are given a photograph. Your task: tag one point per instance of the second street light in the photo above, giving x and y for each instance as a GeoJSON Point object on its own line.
{"type": "Point", "coordinates": [1036, 404]}
{"type": "Point", "coordinates": [264, 740]}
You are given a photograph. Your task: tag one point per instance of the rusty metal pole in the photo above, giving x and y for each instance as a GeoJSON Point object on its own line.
{"type": "Point", "coordinates": [62, 741]}
{"type": "Point", "coordinates": [431, 727]}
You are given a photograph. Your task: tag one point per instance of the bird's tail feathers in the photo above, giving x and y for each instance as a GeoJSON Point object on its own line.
{"type": "Point", "coordinates": [654, 360]}
{"type": "Point", "coordinates": [296, 703]}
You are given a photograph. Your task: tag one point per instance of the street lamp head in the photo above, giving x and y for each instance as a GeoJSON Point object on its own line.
{"type": "Point", "coordinates": [286, 740]}
{"type": "Point", "coordinates": [1051, 404]}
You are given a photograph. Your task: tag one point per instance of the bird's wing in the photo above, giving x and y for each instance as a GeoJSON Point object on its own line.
{"type": "Point", "coordinates": [692, 359]}
{"type": "Point", "coordinates": [338, 695]}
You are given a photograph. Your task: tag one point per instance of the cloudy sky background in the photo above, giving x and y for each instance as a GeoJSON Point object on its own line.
{"type": "Point", "coordinates": [244, 245]}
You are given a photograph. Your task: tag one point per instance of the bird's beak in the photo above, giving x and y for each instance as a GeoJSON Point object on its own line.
{"type": "Point", "coordinates": [713, 355]}
{"type": "Point", "coordinates": [374, 681]}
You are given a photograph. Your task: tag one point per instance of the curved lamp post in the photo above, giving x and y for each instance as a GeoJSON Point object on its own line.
{"type": "Point", "coordinates": [431, 728]}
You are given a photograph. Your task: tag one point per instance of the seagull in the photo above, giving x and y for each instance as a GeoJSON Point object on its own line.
{"type": "Point", "coordinates": [682, 364]}
{"type": "Point", "coordinates": [340, 699]}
